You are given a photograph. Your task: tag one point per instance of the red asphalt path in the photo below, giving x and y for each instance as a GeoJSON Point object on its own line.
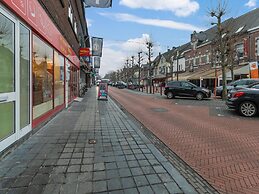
{"type": "Point", "coordinates": [223, 150]}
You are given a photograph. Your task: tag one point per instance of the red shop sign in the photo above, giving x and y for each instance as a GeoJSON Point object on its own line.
{"type": "Point", "coordinates": [32, 12]}
{"type": "Point", "coordinates": [84, 52]}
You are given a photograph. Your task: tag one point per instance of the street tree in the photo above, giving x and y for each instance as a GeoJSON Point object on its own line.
{"type": "Point", "coordinates": [218, 12]}
{"type": "Point", "coordinates": [149, 54]}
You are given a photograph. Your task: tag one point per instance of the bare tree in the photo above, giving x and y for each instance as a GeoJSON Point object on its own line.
{"type": "Point", "coordinates": [218, 13]}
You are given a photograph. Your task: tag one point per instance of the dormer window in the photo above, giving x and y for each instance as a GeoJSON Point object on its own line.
{"type": "Point", "coordinates": [239, 29]}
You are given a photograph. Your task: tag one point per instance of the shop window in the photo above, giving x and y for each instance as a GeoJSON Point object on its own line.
{"type": "Point", "coordinates": [6, 55]}
{"type": "Point", "coordinates": [42, 59]}
{"type": "Point", "coordinates": [24, 76]}
{"type": "Point", "coordinates": [58, 79]}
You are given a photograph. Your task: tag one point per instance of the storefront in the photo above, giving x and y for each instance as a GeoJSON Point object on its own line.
{"type": "Point", "coordinates": [39, 72]}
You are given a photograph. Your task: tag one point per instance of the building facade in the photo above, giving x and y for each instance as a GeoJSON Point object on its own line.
{"type": "Point", "coordinates": [39, 62]}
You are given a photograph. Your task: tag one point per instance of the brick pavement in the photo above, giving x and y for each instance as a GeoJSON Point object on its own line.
{"type": "Point", "coordinates": [222, 149]}
{"type": "Point", "coordinates": [60, 159]}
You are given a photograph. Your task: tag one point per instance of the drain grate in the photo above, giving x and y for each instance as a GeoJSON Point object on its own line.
{"type": "Point", "coordinates": [92, 141]}
{"type": "Point", "coordinates": [159, 110]}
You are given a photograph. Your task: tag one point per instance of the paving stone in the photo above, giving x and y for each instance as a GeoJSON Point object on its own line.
{"type": "Point", "coordinates": [22, 182]}
{"type": "Point", "coordinates": [99, 175]}
{"type": "Point", "coordinates": [63, 162]}
{"type": "Point", "coordinates": [112, 174]}
{"type": "Point", "coordinates": [87, 168]}
{"type": "Point", "coordinates": [111, 165]}
{"type": "Point", "coordinates": [159, 169]}
{"type": "Point", "coordinates": [159, 188]}
{"type": "Point", "coordinates": [73, 168]}
{"type": "Point", "coordinates": [68, 188]}
{"type": "Point", "coordinates": [153, 179]}
{"type": "Point", "coordinates": [133, 164]}
{"type": "Point", "coordinates": [99, 167]}
{"type": "Point", "coordinates": [131, 191]}
{"type": "Point", "coordinates": [59, 169]}
{"type": "Point", "coordinates": [75, 161]}
{"type": "Point", "coordinates": [148, 170]}
{"type": "Point", "coordinates": [114, 184]}
{"type": "Point", "coordinates": [85, 176]}
{"type": "Point", "coordinates": [145, 190]}
{"type": "Point", "coordinates": [32, 189]}
{"type": "Point", "coordinates": [57, 178]}
{"type": "Point", "coordinates": [141, 180]}
{"type": "Point", "coordinates": [40, 179]}
{"type": "Point", "coordinates": [172, 187]}
{"type": "Point", "coordinates": [136, 171]}
{"type": "Point", "coordinates": [128, 182]}
{"type": "Point", "coordinates": [99, 186]}
{"type": "Point", "coordinates": [85, 187]}
{"type": "Point", "coordinates": [124, 172]}
{"type": "Point", "coordinates": [165, 177]}
{"type": "Point", "coordinates": [21, 190]}
{"type": "Point", "coordinates": [52, 188]}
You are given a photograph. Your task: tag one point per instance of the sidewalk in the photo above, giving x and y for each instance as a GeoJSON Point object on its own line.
{"type": "Point", "coordinates": [60, 158]}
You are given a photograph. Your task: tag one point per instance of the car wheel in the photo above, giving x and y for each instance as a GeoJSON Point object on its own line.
{"type": "Point", "coordinates": [170, 95]}
{"type": "Point", "coordinates": [199, 96]}
{"type": "Point", "coordinates": [247, 109]}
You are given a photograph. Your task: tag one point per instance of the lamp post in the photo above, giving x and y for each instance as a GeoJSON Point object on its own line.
{"type": "Point", "coordinates": [139, 68]}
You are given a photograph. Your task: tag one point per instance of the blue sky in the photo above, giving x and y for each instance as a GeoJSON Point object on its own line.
{"type": "Point", "coordinates": [130, 23]}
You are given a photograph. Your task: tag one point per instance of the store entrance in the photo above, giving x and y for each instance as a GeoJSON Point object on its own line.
{"type": "Point", "coordinates": [15, 90]}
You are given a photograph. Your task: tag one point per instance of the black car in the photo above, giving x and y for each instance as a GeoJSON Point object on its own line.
{"type": "Point", "coordinates": [245, 101]}
{"type": "Point", "coordinates": [185, 89]}
{"type": "Point", "coordinates": [238, 84]}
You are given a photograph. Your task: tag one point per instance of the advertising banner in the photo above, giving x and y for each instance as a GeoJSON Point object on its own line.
{"type": "Point", "coordinates": [99, 3]}
{"type": "Point", "coordinates": [97, 62]}
{"type": "Point", "coordinates": [254, 70]}
{"type": "Point", "coordinates": [97, 46]}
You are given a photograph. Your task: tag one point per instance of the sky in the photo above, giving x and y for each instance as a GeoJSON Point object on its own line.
{"type": "Point", "coordinates": [129, 24]}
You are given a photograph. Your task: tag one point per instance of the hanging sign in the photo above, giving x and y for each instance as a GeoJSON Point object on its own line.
{"type": "Point", "coordinates": [84, 52]}
{"type": "Point", "coordinates": [97, 46]}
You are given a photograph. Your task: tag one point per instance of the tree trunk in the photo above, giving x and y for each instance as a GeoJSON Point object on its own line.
{"type": "Point", "coordinates": [224, 83]}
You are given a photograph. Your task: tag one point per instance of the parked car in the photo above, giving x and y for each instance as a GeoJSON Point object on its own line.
{"type": "Point", "coordinates": [185, 89]}
{"type": "Point", "coordinates": [239, 88]}
{"type": "Point", "coordinates": [238, 84]}
{"type": "Point", "coordinates": [121, 85]}
{"type": "Point", "coordinates": [245, 101]}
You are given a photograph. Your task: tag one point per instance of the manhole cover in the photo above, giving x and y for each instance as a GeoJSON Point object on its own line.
{"type": "Point", "coordinates": [92, 141]}
{"type": "Point", "coordinates": [159, 110]}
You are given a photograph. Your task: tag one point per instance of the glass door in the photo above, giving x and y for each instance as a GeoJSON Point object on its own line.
{"type": "Point", "coordinates": [8, 94]}
{"type": "Point", "coordinates": [15, 79]}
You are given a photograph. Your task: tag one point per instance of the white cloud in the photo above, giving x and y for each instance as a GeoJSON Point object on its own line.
{"type": "Point", "coordinates": [251, 3]}
{"type": "Point", "coordinates": [115, 53]}
{"type": "Point", "coordinates": [178, 7]}
{"type": "Point", "coordinates": [89, 22]}
{"type": "Point", "coordinates": [152, 22]}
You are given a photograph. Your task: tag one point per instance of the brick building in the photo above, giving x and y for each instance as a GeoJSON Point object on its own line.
{"type": "Point", "coordinates": [200, 54]}
{"type": "Point", "coordinates": [39, 62]}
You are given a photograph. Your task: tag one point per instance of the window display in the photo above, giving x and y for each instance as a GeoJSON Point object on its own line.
{"type": "Point", "coordinates": [42, 60]}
